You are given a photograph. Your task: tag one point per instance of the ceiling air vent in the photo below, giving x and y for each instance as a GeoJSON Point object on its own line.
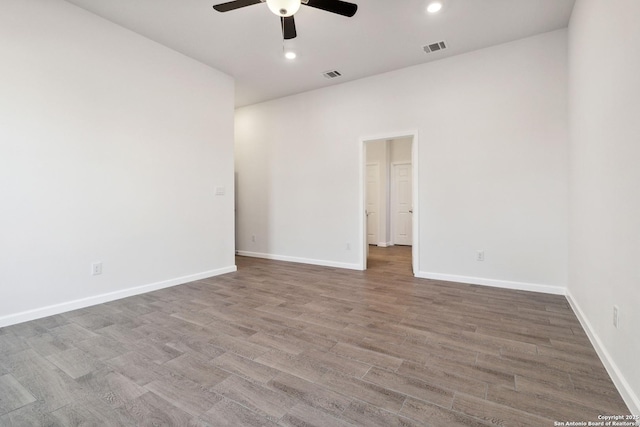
{"type": "Point", "coordinates": [434, 47]}
{"type": "Point", "coordinates": [331, 74]}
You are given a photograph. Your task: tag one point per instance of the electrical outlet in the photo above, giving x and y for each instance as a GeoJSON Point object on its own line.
{"type": "Point", "coordinates": [253, 238]}
{"type": "Point", "coordinates": [96, 268]}
{"type": "Point", "coordinates": [348, 246]}
{"type": "Point", "coordinates": [616, 319]}
{"type": "Point", "coordinates": [480, 256]}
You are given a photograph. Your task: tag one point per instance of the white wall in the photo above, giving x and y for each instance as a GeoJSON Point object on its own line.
{"type": "Point", "coordinates": [401, 150]}
{"type": "Point", "coordinates": [493, 164]}
{"type": "Point", "coordinates": [604, 96]}
{"type": "Point", "coordinates": [111, 147]}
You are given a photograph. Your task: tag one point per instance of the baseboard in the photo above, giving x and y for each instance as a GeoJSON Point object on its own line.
{"type": "Point", "coordinates": [628, 395]}
{"type": "Point", "coordinates": [520, 286]}
{"type": "Point", "coordinates": [385, 244]}
{"type": "Point", "coordinates": [311, 261]}
{"type": "Point", "coordinates": [51, 310]}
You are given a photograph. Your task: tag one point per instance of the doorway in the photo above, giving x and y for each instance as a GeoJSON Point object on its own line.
{"type": "Point", "coordinates": [389, 197]}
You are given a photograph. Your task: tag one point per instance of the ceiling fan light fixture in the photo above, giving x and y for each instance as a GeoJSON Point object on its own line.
{"type": "Point", "coordinates": [434, 7]}
{"type": "Point", "coordinates": [284, 8]}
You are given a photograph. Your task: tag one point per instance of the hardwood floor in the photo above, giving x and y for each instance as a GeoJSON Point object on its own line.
{"type": "Point", "coordinates": [297, 345]}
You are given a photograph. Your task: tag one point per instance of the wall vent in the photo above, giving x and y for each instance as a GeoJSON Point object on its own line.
{"type": "Point", "coordinates": [434, 47]}
{"type": "Point", "coordinates": [331, 74]}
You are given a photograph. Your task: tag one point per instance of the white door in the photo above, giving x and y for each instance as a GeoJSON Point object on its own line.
{"type": "Point", "coordinates": [373, 202]}
{"type": "Point", "coordinates": [401, 209]}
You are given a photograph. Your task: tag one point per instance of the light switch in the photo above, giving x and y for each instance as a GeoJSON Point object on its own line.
{"type": "Point", "coordinates": [219, 191]}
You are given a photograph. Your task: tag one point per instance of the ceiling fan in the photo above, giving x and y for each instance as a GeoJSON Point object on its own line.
{"type": "Point", "coordinates": [285, 9]}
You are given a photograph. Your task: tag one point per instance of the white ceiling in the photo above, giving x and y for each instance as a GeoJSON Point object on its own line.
{"type": "Point", "coordinates": [384, 35]}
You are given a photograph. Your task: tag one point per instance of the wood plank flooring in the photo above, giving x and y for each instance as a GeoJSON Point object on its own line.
{"type": "Point", "coordinates": [280, 344]}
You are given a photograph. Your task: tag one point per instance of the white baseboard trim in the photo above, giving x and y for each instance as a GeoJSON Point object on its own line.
{"type": "Point", "coordinates": [520, 286]}
{"type": "Point", "coordinates": [51, 310]}
{"type": "Point", "coordinates": [628, 395]}
{"type": "Point", "coordinates": [385, 244]}
{"type": "Point", "coordinates": [320, 262]}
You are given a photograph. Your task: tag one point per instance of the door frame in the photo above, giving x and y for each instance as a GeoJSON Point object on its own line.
{"type": "Point", "coordinates": [415, 144]}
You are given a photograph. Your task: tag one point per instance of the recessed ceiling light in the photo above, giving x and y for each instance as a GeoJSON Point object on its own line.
{"type": "Point", "coordinates": [290, 55]}
{"type": "Point", "coordinates": [434, 7]}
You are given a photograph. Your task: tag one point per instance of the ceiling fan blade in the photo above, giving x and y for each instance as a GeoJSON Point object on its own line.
{"type": "Point", "coordinates": [288, 27]}
{"type": "Point", "coordinates": [233, 5]}
{"type": "Point", "coordinates": [336, 6]}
